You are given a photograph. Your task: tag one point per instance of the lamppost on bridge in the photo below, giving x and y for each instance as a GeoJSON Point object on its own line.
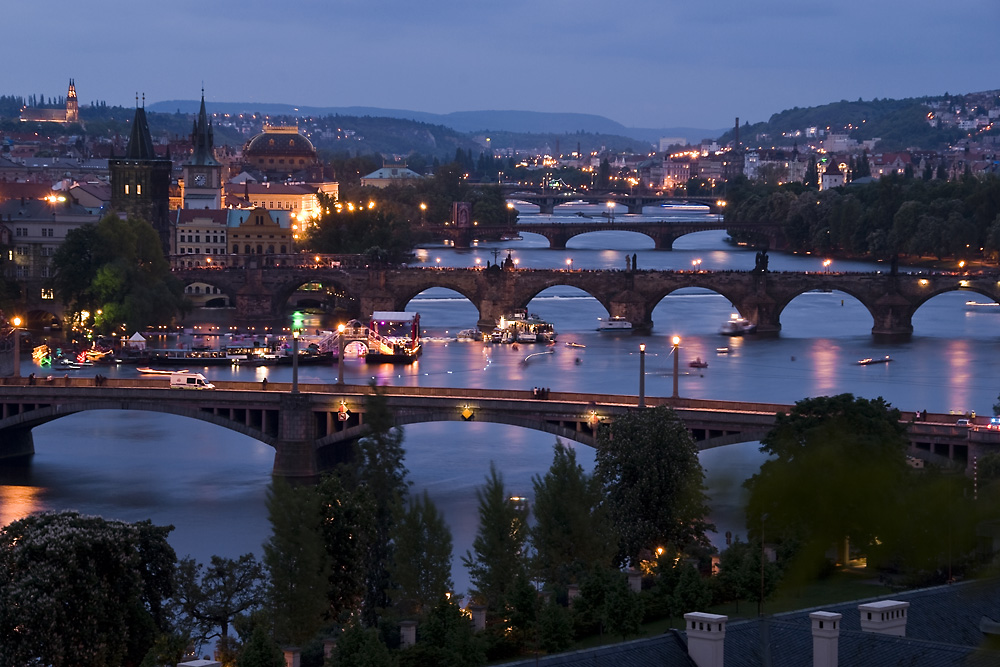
{"type": "Point", "coordinates": [696, 265]}
{"type": "Point", "coordinates": [642, 375]}
{"type": "Point", "coordinates": [569, 263]}
{"type": "Point", "coordinates": [16, 323]}
{"type": "Point", "coordinates": [295, 361]}
{"type": "Point", "coordinates": [611, 211]}
{"type": "Point", "coordinates": [676, 344]}
{"type": "Point", "coordinates": [826, 265]}
{"type": "Point", "coordinates": [340, 354]}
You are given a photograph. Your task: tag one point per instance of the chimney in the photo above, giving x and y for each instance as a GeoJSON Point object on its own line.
{"type": "Point", "coordinates": [826, 633]}
{"type": "Point", "coordinates": [887, 617]}
{"type": "Point", "coordinates": [407, 633]}
{"type": "Point", "coordinates": [705, 634]}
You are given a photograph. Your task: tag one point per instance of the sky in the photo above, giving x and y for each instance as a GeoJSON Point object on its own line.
{"type": "Point", "coordinates": [643, 63]}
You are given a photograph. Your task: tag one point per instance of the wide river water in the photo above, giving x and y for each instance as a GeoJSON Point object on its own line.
{"type": "Point", "coordinates": [211, 483]}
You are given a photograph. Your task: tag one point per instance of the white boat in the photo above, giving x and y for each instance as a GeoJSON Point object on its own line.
{"type": "Point", "coordinates": [737, 326]}
{"type": "Point", "coordinates": [983, 306]}
{"type": "Point", "coordinates": [520, 327]}
{"type": "Point", "coordinates": [470, 334]}
{"type": "Point", "coordinates": [616, 323]}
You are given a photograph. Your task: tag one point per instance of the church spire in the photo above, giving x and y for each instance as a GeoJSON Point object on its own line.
{"type": "Point", "coordinates": [203, 137]}
{"type": "Point", "coordinates": [140, 142]}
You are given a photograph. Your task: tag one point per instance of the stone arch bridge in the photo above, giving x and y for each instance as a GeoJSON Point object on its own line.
{"type": "Point", "coordinates": [309, 429]}
{"type": "Point", "coordinates": [261, 294]}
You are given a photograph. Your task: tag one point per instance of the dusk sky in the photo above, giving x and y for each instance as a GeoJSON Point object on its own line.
{"type": "Point", "coordinates": [643, 63]}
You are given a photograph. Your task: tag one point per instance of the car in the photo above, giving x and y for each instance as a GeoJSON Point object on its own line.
{"type": "Point", "coordinates": [963, 422]}
{"type": "Point", "coordinates": [994, 424]}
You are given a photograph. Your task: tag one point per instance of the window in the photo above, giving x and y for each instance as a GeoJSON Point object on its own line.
{"type": "Point", "coordinates": [23, 250]}
{"type": "Point", "coordinates": [138, 189]}
{"type": "Point", "coordinates": [48, 232]}
{"type": "Point", "coordinates": [236, 249]}
{"type": "Point", "coordinates": [48, 294]}
{"type": "Point", "coordinates": [45, 271]}
{"type": "Point", "coordinates": [21, 231]}
{"type": "Point", "coordinates": [126, 188]}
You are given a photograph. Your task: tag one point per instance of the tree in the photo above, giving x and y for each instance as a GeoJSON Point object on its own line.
{"type": "Point", "coordinates": [260, 650]}
{"type": "Point", "coordinates": [447, 639]}
{"type": "Point", "coordinates": [212, 596]}
{"type": "Point", "coordinates": [571, 531]}
{"type": "Point", "coordinates": [740, 573]}
{"type": "Point", "coordinates": [383, 475]}
{"type": "Point", "coordinates": [811, 178]}
{"type": "Point", "coordinates": [361, 647]}
{"type": "Point", "coordinates": [422, 565]}
{"type": "Point", "coordinates": [82, 590]}
{"type": "Point", "coordinates": [836, 465]}
{"type": "Point", "coordinates": [497, 558]}
{"type": "Point", "coordinates": [653, 483]}
{"type": "Point", "coordinates": [117, 267]}
{"type": "Point", "coordinates": [296, 562]}
{"type": "Point", "coordinates": [345, 514]}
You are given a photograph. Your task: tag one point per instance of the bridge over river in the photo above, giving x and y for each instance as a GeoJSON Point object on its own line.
{"type": "Point", "coordinates": [309, 428]}
{"type": "Point", "coordinates": [261, 295]}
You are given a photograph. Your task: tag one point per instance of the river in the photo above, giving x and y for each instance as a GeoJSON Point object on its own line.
{"type": "Point", "coordinates": [210, 483]}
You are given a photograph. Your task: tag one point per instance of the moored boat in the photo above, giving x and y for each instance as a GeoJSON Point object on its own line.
{"type": "Point", "coordinates": [698, 363]}
{"type": "Point", "coordinates": [614, 323]}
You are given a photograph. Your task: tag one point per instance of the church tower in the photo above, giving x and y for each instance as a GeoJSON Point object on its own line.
{"type": "Point", "coordinates": [72, 105]}
{"type": "Point", "coordinates": [140, 181]}
{"type": "Point", "coordinates": [202, 172]}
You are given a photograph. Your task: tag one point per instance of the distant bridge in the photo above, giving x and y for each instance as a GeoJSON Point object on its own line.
{"type": "Point", "coordinates": [663, 232]}
{"type": "Point", "coordinates": [546, 201]}
{"type": "Point", "coordinates": [261, 295]}
{"type": "Point", "coordinates": [309, 429]}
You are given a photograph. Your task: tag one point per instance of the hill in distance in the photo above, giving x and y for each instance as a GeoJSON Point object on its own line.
{"type": "Point", "coordinates": [533, 122]}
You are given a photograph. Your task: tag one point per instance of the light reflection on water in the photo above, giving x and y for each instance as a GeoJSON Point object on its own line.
{"type": "Point", "coordinates": [211, 483]}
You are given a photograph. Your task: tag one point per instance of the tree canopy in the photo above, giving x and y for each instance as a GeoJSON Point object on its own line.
{"type": "Point", "coordinates": [82, 590]}
{"type": "Point", "coordinates": [653, 484]}
{"type": "Point", "coordinates": [115, 270]}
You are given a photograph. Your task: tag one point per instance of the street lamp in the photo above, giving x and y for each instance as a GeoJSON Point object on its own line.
{"type": "Point", "coordinates": [676, 343]}
{"type": "Point", "coordinates": [696, 265]}
{"type": "Point", "coordinates": [611, 211]}
{"type": "Point", "coordinates": [340, 354]}
{"type": "Point", "coordinates": [423, 213]}
{"type": "Point", "coordinates": [17, 346]}
{"type": "Point", "coordinates": [295, 361]}
{"type": "Point", "coordinates": [642, 375]}
{"type": "Point", "coordinates": [569, 263]}
{"type": "Point", "coordinates": [826, 265]}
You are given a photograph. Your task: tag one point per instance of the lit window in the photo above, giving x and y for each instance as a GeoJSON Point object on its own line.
{"type": "Point", "coordinates": [126, 188]}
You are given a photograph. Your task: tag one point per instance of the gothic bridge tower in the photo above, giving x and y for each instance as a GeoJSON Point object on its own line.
{"type": "Point", "coordinates": [140, 181]}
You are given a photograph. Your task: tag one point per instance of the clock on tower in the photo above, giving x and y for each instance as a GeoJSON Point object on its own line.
{"type": "Point", "coordinates": [199, 180]}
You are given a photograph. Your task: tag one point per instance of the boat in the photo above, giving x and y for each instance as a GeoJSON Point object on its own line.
{"type": "Point", "coordinates": [737, 326]}
{"type": "Point", "coordinates": [145, 370]}
{"type": "Point", "coordinates": [614, 323]}
{"type": "Point", "coordinates": [983, 306]}
{"type": "Point", "coordinates": [868, 361]}
{"type": "Point", "coordinates": [521, 327]}
{"type": "Point", "coordinates": [698, 363]}
{"type": "Point", "coordinates": [185, 357]}
{"type": "Point", "coordinates": [470, 334]}
{"type": "Point", "coordinates": [393, 337]}
{"type": "Point", "coordinates": [722, 350]}
{"type": "Point", "coordinates": [570, 343]}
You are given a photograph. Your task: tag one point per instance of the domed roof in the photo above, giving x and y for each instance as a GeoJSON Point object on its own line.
{"type": "Point", "coordinates": [280, 140]}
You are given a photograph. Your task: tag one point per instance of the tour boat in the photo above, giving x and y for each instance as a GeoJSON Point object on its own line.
{"type": "Point", "coordinates": [520, 327]}
{"type": "Point", "coordinates": [698, 363]}
{"type": "Point", "coordinates": [470, 334]}
{"type": "Point", "coordinates": [570, 343]}
{"type": "Point", "coordinates": [737, 326]}
{"type": "Point", "coordinates": [394, 337]}
{"type": "Point", "coordinates": [615, 323]}
{"type": "Point", "coordinates": [983, 306]}
{"type": "Point", "coordinates": [868, 361]}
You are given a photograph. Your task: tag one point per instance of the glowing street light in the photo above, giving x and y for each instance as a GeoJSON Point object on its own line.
{"type": "Point", "coordinates": [16, 322]}
{"type": "Point", "coordinates": [569, 263]}
{"type": "Point", "coordinates": [642, 375]}
{"type": "Point", "coordinates": [611, 211]}
{"type": "Point", "coordinates": [340, 354]}
{"type": "Point", "coordinates": [438, 260]}
{"type": "Point", "coordinates": [295, 361]}
{"type": "Point", "coordinates": [676, 344]}
{"type": "Point", "coordinates": [826, 265]}
{"type": "Point", "coordinates": [696, 265]}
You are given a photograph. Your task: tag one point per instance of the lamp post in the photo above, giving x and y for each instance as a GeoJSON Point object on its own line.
{"type": "Point", "coordinates": [340, 354]}
{"type": "Point", "coordinates": [642, 375]}
{"type": "Point", "coordinates": [676, 342]}
{"type": "Point", "coordinates": [17, 346]}
{"type": "Point", "coordinates": [423, 214]}
{"type": "Point", "coordinates": [295, 361]}
{"type": "Point", "coordinates": [569, 263]}
{"type": "Point", "coordinates": [611, 211]}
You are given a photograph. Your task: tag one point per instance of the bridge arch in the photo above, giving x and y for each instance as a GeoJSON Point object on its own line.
{"type": "Point", "coordinates": [263, 430]}
{"type": "Point", "coordinates": [785, 306]}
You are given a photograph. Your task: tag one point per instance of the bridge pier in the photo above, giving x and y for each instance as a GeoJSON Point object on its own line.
{"type": "Point", "coordinates": [635, 207]}
{"type": "Point", "coordinates": [893, 320]}
{"type": "Point", "coordinates": [664, 241]}
{"type": "Point", "coordinates": [762, 311]}
{"type": "Point", "coordinates": [16, 444]}
{"type": "Point", "coordinates": [547, 206]}
{"type": "Point", "coordinates": [295, 455]}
